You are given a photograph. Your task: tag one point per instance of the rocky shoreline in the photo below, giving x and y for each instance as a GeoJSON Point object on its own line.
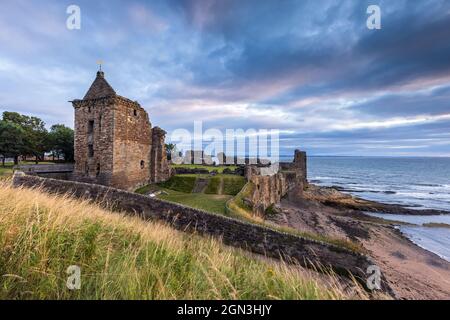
{"type": "Point", "coordinates": [411, 271]}
{"type": "Point", "coordinates": [335, 197]}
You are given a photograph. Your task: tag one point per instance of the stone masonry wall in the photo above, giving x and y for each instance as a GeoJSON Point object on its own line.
{"type": "Point", "coordinates": [233, 232]}
{"type": "Point", "coordinates": [100, 112]}
{"type": "Point", "coordinates": [159, 169]}
{"type": "Point", "coordinates": [113, 140]}
{"type": "Point", "coordinates": [269, 189]}
{"type": "Point", "coordinates": [132, 145]}
{"type": "Point", "coordinates": [63, 171]}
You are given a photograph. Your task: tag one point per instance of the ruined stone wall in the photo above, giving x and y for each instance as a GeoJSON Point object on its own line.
{"type": "Point", "coordinates": [270, 189]}
{"type": "Point", "coordinates": [94, 126]}
{"type": "Point", "coordinates": [267, 190]}
{"type": "Point", "coordinates": [233, 232]}
{"type": "Point", "coordinates": [132, 145]}
{"type": "Point", "coordinates": [159, 169]}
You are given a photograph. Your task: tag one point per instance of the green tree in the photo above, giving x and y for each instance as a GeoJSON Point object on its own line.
{"type": "Point", "coordinates": [170, 148]}
{"type": "Point", "coordinates": [35, 135]}
{"type": "Point", "coordinates": [12, 138]}
{"type": "Point", "coordinates": [61, 141]}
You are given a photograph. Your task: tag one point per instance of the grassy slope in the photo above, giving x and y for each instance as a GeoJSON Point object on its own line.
{"type": "Point", "coordinates": [208, 202]}
{"type": "Point", "coordinates": [213, 185]}
{"type": "Point", "coordinates": [179, 188]}
{"type": "Point", "coordinates": [232, 184]}
{"type": "Point", "coordinates": [6, 171]}
{"type": "Point", "coordinates": [181, 183]}
{"type": "Point", "coordinates": [126, 258]}
{"type": "Point", "coordinates": [233, 207]}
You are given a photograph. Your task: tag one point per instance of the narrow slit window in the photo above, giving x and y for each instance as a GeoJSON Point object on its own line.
{"type": "Point", "coordinates": [91, 151]}
{"type": "Point", "coordinates": [91, 126]}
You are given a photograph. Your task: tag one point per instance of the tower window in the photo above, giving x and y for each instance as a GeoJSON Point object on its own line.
{"type": "Point", "coordinates": [135, 112]}
{"type": "Point", "coordinates": [142, 164]}
{"type": "Point", "coordinates": [89, 109]}
{"type": "Point", "coordinates": [100, 122]}
{"type": "Point", "coordinates": [90, 151]}
{"type": "Point", "coordinates": [91, 126]}
{"type": "Point", "coordinates": [97, 172]}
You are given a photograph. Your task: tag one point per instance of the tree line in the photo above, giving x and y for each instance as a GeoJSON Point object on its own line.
{"type": "Point", "coordinates": [24, 136]}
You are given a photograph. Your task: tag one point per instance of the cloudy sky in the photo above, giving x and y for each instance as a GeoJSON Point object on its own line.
{"type": "Point", "coordinates": [311, 69]}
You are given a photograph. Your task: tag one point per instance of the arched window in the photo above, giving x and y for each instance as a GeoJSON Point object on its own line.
{"type": "Point", "coordinates": [142, 164]}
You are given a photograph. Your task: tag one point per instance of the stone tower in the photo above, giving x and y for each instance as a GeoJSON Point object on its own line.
{"type": "Point", "coordinates": [114, 139]}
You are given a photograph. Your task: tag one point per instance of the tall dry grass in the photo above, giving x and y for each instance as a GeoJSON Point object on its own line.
{"type": "Point", "coordinates": [128, 258]}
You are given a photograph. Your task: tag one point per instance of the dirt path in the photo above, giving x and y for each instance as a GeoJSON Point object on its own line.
{"type": "Point", "coordinates": [412, 272]}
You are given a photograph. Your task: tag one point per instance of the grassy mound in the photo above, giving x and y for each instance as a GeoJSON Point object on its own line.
{"type": "Point", "coordinates": [232, 184]}
{"type": "Point", "coordinates": [209, 202]}
{"type": "Point", "coordinates": [121, 257]}
{"type": "Point", "coordinates": [182, 183]}
{"type": "Point", "coordinates": [213, 185]}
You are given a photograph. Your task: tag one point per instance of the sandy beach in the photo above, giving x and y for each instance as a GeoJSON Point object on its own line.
{"type": "Point", "coordinates": [412, 272]}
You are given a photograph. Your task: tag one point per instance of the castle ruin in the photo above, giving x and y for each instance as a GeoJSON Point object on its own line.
{"type": "Point", "coordinates": [115, 144]}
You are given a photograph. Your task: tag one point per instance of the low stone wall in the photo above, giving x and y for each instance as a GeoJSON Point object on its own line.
{"type": "Point", "coordinates": [45, 168]}
{"type": "Point", "coordinates": [270, 189]}
{"type": "Point", "coordinates": [255, 238]}
{"type": "Point", "coordinates": [62, 171]}
{"type": "Point", "coordinates": [267, 191]}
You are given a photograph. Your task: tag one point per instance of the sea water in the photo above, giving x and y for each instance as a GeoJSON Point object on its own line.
{"type": "Point", "coordinates": [419, 183]}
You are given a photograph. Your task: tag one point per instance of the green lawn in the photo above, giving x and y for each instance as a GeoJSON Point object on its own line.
{"type": "Point", "coordinates": [200, 166]}
{"type": "Point", "coordinates": [209, 202]}
{"type": "Point", "coordinates": [6, 171]}
{"type": "Point", "coordinates": [179, 188]}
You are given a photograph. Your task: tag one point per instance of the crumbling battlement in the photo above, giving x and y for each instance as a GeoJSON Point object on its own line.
{"type": "Point", "coordinates": [290, 179]}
